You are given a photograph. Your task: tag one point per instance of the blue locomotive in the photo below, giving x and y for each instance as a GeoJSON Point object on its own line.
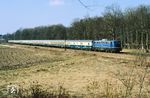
{"type": "Point", "coordinates": [107, 45]}
{"type": "Point", "coordinates": [96, 45]}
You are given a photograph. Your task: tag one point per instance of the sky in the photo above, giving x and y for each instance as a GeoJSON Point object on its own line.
{"type": "Point", "coordinates": [16, 14]}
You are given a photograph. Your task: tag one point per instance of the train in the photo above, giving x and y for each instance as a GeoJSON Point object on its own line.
{"type": "Point", "coordinates": [95, 45]}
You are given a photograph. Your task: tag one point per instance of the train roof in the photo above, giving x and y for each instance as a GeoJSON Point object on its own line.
{"type": "Point", "coordinates": [103, 40]}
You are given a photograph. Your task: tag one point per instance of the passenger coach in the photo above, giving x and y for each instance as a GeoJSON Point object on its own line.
{"type": "Point", "coordinates": [98, 45]}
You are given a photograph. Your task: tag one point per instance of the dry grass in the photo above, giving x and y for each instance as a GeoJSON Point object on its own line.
{"type": "Point", "coordinates": [80, 72]}
{"type": "Point", "coordinates": [18, 57]}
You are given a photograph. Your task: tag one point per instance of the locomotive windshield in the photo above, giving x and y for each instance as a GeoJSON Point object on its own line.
{"type": "Point", "coordinates": [117, 44]}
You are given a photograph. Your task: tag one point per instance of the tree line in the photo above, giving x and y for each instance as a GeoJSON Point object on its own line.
{"type": "Point", "coordinates": [131, 26]}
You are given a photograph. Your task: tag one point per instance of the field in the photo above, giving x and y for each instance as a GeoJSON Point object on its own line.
{"type": "Point", "coordinates": [81, 73]}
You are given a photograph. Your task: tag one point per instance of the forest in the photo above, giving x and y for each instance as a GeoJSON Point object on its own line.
{"type": "Point", "coordinates": [131, 26]}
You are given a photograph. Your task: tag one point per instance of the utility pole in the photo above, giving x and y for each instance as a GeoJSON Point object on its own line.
{"type": "Point", "coordinates": [20, 36]}
{"type": "Point", "coordinates": [14, 36]}
{"type": "Point", "coordinates": [114, 34]}
{"type": "Point", "coordinates": [65, 39]}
